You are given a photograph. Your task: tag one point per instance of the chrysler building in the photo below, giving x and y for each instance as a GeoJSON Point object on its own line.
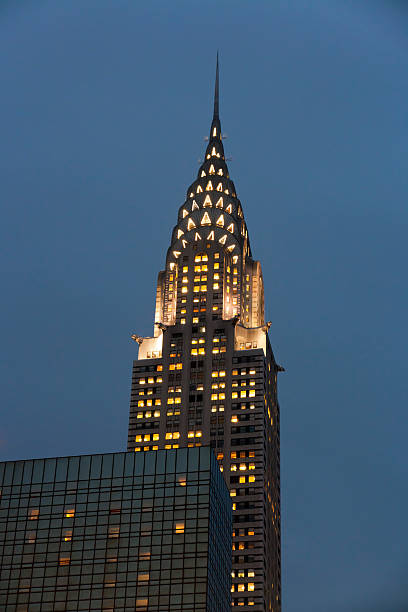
{"type": "Point", "coordinates": [208, 377]}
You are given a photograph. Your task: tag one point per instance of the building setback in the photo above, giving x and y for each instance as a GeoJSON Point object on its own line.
{"type": "Point", "coordinates": [115, 532]}
{"type": "Point", "coordinates": [208, 375]}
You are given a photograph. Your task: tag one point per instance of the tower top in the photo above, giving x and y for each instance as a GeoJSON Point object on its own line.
{"type": "Point", "coordinates": [215, 133]}
{"type": "Point", "coordinates": [217, 92]}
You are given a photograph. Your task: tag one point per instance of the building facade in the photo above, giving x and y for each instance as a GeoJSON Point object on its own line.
{"type": "Point", "coordinates": [115, 532]}
{"type": "Point", "coordinates": [208, 375]}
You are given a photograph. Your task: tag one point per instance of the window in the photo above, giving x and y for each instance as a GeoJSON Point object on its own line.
{"type": "Point", "coordinates": [179, 527]}
{"type": "Point", "coordinates": [64, 560]}
{"type": "Point", "coordinates": [33, 514]}
{"type": "Point", "coordinates": [113, 531]}
{"type": "Point", "coordinates": [69, 513]}
{"type": "Point", "coordinates": [67, 537]}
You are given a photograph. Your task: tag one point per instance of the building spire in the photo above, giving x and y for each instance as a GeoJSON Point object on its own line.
{"type": "Point", "coordinates": [217, 92]}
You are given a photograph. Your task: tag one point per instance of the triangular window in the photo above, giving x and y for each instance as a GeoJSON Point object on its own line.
{"type": "Point", "coordinates": [199, 189]}
{"type": "Point", "coordinates": [185, 213]}
{"type": "Point", "coordinates": [190, 225]}
{"type": "Point", "coordinates": [197, 236]}
{"type": "Point", "coordinates": [211, 235]}
{"type": "Point", "coordinates": [226, 191]}
{"type": "Point", "coordinates": [184, 243]}
{"type": "Point", "coordinates": [207, 201]}
{"type": "Point", "coordinates": [230, 228]}
{"type": "Point", "coordinates": [219, 187]}
{"type": "Point", "coordinates": [179, 233]}
{"type": "Point", "coordinates": [203, 173]}
{"type": "Point", "coordinates": [229, 209]}
{"type": "Point", "coordinates": [220, 172]}
{"type": "Point", "coordinates": [209, 186]}
{"type": "Point", "coordinates": [194, 206]}
{"type": "Point", "coordinates": [176, 253]}
{"type": "Point", "coordinates": [220, 221]}
{"type": "Point", "coordinates": [206, 219]}
{"type": "Point", "coordinates": [211, 170]}
{"type": "Point", "coordinates": [235, 259]}
{"type": "Point", "coordinates": [223, 239]}
{"type": "Point", "coordinates": [220, 203]}
{"type": "Point", "coordinates": [230, 248]}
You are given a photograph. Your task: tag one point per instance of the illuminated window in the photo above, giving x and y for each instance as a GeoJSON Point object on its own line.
{"type": "Point", "coordinates": [67, 537]}
{"type": "Point", "coordinates": [199, 189]}
{"type": "Point", "coordinates": [33, 514]}
{"type": "Point", "coordinates": [190, 224]}
{"type": "Point", "coordinates": [179, 527]}
{"type": "Point", "coordinates": [69, 513]}
{"type": "Point", "coordinates": [64, 560]}
{"type": "Point", "coordinates": [251, 586]}
{"type": "Point", "coordinates": [220, 221]}
{"type": "Point", "coordinates": [206, 219]}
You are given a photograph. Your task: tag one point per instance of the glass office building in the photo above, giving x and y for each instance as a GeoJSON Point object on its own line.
{"type": "Point", "coordinates": [125, 531]}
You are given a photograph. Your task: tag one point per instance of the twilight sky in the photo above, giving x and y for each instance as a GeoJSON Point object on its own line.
{"type": "Point", "coordinates": [103, 108]}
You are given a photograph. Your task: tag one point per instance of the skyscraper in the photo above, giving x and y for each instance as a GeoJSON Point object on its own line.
{"type": "Point", "coordinates": [116, 532]}
{"type": "Point", "coordinates": [208, 374]}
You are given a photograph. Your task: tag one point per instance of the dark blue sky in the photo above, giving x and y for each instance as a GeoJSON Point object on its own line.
{"type": "Point", "coordinates": [103, 109]}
